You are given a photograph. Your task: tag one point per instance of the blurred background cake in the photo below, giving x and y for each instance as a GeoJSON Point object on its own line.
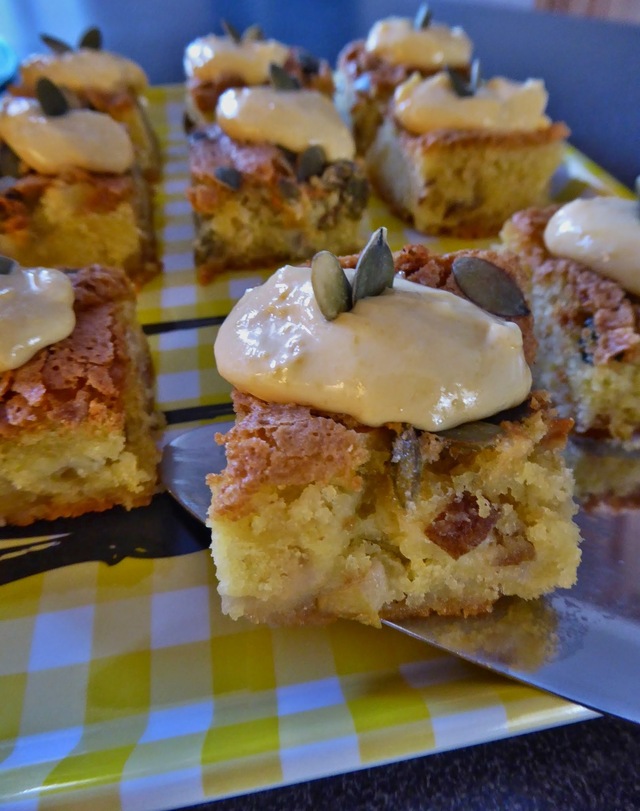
{"type": "Point", "coordinates": [71, 192]}
{"type": "Point", "coordinates": [274, 179]}
{"type": "Point", "coordinates": [369, 70]}
{"type": "Point", "coordinates": [100, 80]}
{"type": "Point", "coordinates": [583, 264]}
{"type": "Point", "coordinates": [78, 425]}
{"type": "Point", "coordinates": [457, 157]}
{"type": "Point", "coordinates": [214, 63]}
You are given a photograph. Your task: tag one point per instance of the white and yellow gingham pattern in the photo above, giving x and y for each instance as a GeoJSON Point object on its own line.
{"type": "Point", "coordinates": [125, 687]}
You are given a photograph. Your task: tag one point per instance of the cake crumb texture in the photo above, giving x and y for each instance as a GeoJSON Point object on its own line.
{"type": "Point", "coordinates": [463, 183]}
{"type": "Point", "coordinates": [308, 524]}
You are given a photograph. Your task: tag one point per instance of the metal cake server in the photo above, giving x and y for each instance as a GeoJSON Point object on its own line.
{"type": "Point", "coordinates": [582, 644]}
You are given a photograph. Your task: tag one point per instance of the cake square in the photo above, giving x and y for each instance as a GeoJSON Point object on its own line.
{"type": "Point", "coordinates": [460, 165]}
{"type": "Point", "coordinates": [78, 425]}
{"type": "Point", "coordinates": [100, 80]}
{"type": "Point", "coordinates": [586, 323]}
{"type": "Point", "coordinates": [369, 70]}
{"type": "Point", "coordinates": [319, 515]}
{"type": "Point", "coordinates": [71, 193]}
{"type": "Point", "coordinates": [215, 63]}
{"type": "Point", "coordinates": [269, 192]}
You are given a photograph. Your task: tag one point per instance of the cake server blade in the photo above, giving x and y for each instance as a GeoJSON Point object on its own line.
{"type": "Point", "coordinates": [582, 644]}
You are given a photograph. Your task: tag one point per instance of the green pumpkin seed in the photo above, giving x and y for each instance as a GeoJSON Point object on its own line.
{"type": "Point", "coordinates": [253, 34]}
{"type": "Point", "coordinates": [330, 285]}
{"type": "Point", "coordinates": [489, 286]}
{"type": "Point", "coordinates": [282, 80]}
{"type": "Point", "coordinates": [231, 31]}
{"type": "Point", "coordinates": [423, 17]}
{"type": "Point", "coordinates": [92, 38]}
{"type": "Point", "coordinates": [7, 265]}
{"type": "Point", "coordinates": [406, 471]}
{"type": "Point", "coordinates": [9, 162]}
{"type": "Point", "coordinates": [478, 433]}
{"type": "Point", "coordinates": [51, 98]}
{"type": "Point", "coordinates": [228, 176]}
{"type": "Point", "coordinates": [375, 269]}
{"type": "Point", "coordinates": [311, 162]}
{"type": "Point", "coordinates": [55, 44]}
{"type": "Point", "coordinates": [461, 87]}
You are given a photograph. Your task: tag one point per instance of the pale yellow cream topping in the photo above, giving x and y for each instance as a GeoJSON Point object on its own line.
{"type": "Point", "coordinates": [294, 119]}
{"type": "Point", "coordinates": [602, 233]}
{"type": "Point", "coordinates": [36, 310]}
{"type": "Point", "coordinates": [423, 105]}
{"type": "Point", "coordinates": [398, 42]}
{"type": "Point", "coordinates": [210, 57]}
{"type": "Point", "coordinates": [412, 354]}
{"type": "Point", "coordinates": [81, 139]}
{"type": "Point", "coordinates": [87, 68]}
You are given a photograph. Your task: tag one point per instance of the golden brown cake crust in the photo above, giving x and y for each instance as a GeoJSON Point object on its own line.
{"type": "Point", "coordinates": [282, 445]}
{"type": "Point", "coordinates": [291, 445]}
{"type": "Point", "coordinates": [80, 377]}
{"type": "Point", "coordinates": [505, 139]}
{"type": "Point", "coordinates": [608, 315]}
{"type": "Point", "coordinates": [212, 148]}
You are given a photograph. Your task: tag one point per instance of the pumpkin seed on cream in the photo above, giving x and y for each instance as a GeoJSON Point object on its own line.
{"type": "Point", "coordinates": [293, 119]}
{"type": "Point", "coordinates": [36, 310]}
{"type": "Point", "coordinates": [82, 139]}
{"type": "Point", "coordinates": [423, 105]}
{"type": "Point", "coordinates": [411, 354]}
{"type": "Point", "coordinates": [398, 41]}
{"type": "Point", "coordinates": [207, 58]}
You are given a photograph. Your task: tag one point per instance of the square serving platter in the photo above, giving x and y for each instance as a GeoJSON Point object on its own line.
{"type": "Point", "coordinates": [124, 686]}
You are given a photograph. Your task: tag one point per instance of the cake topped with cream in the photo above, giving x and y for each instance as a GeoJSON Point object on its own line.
{"type": "Point", "coordinates": [602, 233]}
{"type": "Point", "coordinates": [294, 119]}
{"type": "Point", "coordinates": [423, 105]}
{"type": "Point", "coordinates": [210, 57]}
{"type": "Point", "coordinates": [376, 361]}
{"type": "Point", "coordinates": [36, 310]}
{"type": "Point", "coordinates": [50, 144]}
{"type": "Point", "coordinates": [400, 41]}
{"type": "Point", "coordinates": [85, 68]}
